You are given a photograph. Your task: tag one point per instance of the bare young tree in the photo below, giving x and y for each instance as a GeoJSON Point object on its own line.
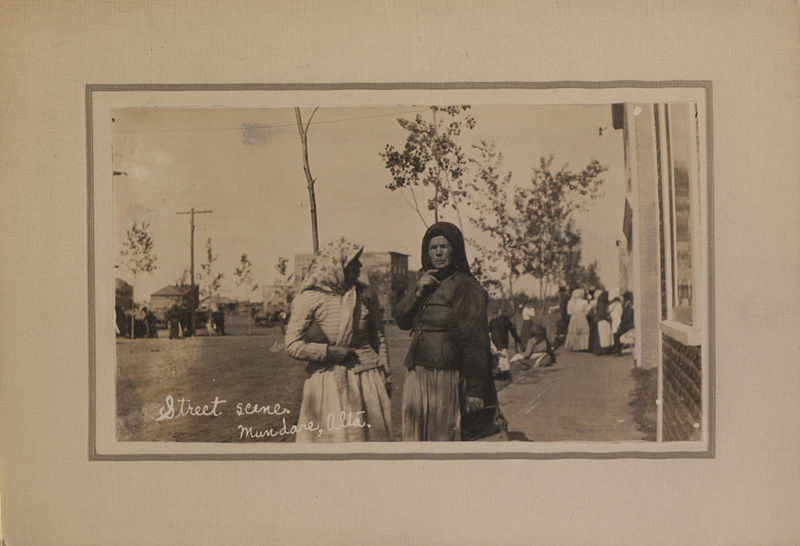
{"type": "Point", "coordinates": [310, 180]}
{"type": "Point", "coordinates": [285, 281]}
{"type": "Point", "coordinates": [490, 198]}
{"type": "Point", "coordinates": [244, 278]}
{"type": "Point", "coordinates": [546, 207]}
{"type": "Point", "coordinates": [579, 275]}
{"type": "Point", "coordinates": [211, 282]}
{"type": "Point", "coordinates": [183, 278]}
{"type": "Point", "coordinates": [487, 275]}
{"type": "Point", "coordinates": [432, 158]}
{"type": "Point", "coordinates": [137, 254]}
{"type": "Point", "coordinates": [244, 275]}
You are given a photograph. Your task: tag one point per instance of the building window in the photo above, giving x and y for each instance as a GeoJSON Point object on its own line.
{"type": "Point", "coordinates": [680, 153]}
{"type": "Point", "coordinates": [681, 183]}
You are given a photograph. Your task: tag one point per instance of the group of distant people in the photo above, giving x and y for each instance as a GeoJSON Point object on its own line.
{"type": "Point", "coordinates": [143, 321]}
{"type": "Point", "coordinates": [179, 318]}
{"type": "Point", "coordinates": [180, 321]}
{"type": "Point", "coordinates": [595, 323]}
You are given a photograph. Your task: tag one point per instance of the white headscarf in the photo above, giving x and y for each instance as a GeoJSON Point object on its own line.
{"type": "Point", "coordinates": [326, 274]}
{"type": "Point", "coordinates": [577, 295]}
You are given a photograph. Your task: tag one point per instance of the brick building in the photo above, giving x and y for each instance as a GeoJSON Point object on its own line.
{"type": "Point", "coordinates": [666, 253]}
{"type": "Point", "coordinates": [385, 272]}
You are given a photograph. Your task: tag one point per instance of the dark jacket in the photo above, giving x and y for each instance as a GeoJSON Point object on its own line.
{"type": "Point", "coordinates": [563, 302]}
{"type": "Point", "coordinates": [499, 328]}
{"type": "Point", "coordinates": [626, 322]}
{"type": "Point", "coordinates": [449, 331]}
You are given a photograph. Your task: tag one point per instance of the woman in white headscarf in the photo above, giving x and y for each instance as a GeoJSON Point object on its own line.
{"type": "Point", "coordinates": [335, 326]}
{"type": "Point", "coordinates": [602, 320]}
{"type": "Point", "coordinates": [578, 332]}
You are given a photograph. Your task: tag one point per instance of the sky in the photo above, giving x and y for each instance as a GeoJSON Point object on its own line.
{"type": "Point", "coordinates": [245, 164]}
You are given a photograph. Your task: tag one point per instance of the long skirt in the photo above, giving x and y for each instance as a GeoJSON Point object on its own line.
{"type": "Point", "coordinates": [431, 405]}
{"type": "Point", "coordinates": [577, 334]}
{"type": "Point", "coordinates": [340, 405]}
{"type": "Point", "coordinates": [604, 338]}
{"type": "Point", "coordinates": [502, 360]}
{"type": "Point", "coordinates": [593, 337]}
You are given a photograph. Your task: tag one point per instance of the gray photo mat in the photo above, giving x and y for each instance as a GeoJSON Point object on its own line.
{"type": "Point", "coordinates": [402, 451]}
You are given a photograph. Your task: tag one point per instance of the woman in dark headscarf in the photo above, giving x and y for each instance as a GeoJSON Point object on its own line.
{"type": "Point", "coordinates": [592, 318]}
{"type": "Point", "coordinates": [449, 360]}
{"type": "Point", "coordinates": [335, 325]}
{"type": "Point", "coordinates": [603, 341]}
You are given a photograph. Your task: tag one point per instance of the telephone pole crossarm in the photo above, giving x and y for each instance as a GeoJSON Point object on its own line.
{"type": "Point", "coordinates": [191, 212]}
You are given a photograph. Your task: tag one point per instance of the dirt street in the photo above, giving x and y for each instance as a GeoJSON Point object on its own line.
{"type": "Point", "coordinates": [581, 397]}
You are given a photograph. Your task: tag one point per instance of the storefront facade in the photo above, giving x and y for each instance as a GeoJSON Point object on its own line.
{"type": "Point", "coordinates": [666, 228]}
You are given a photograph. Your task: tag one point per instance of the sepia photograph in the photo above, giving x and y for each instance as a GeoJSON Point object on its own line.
{"type": "Point", "coordinates": [399, 272]}
{"type": "Point", "coordinates": [516, 274]}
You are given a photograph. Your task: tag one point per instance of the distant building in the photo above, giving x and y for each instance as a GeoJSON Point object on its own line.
{"type": "Point", "coordinates": [123, 294]}
{"type": "Point", "coordinates": [385, 272]}
{"type": "Point", "coordinates": [220, 302]}
{"type": "Point", "coordinates": [162, 300]}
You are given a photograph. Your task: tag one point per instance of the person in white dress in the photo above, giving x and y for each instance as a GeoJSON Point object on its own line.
{"type": "Point", "coordinates": [578, 331]}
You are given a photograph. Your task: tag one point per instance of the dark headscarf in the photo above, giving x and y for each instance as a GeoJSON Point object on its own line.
{"type": "Point", "coordinates": [453, 235]}
{"type": "Point", "coordinates": [602, 305]}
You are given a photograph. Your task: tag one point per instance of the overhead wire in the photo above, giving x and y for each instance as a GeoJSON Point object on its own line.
{"type": "Point", "coordinates": [261, 126]}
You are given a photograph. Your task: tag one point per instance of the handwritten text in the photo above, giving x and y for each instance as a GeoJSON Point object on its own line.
{"type": "Point", "coordinates": [187, 408]}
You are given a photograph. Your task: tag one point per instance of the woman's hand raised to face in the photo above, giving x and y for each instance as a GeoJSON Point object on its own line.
{"type": "Point", "coordinates": [426, 282]}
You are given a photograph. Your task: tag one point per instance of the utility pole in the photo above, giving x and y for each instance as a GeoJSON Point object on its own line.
{"type": "Point", "coordinates": [192, 212]}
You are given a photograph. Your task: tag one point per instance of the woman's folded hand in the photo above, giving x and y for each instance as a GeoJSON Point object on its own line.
{"type": "Point", "coordinates": [338, 353]}
{"type": "Point", "coordinates": [473, 403]}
